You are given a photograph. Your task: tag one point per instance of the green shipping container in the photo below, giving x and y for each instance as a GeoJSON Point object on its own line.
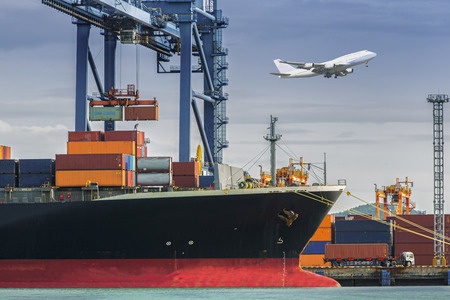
{"type": "Point", "coordinates": [105, 113]}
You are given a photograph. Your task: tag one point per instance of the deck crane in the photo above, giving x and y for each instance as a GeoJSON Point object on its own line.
{"type": "Point", "coordinates": [182, 27]}
{"type": "Point", "coordinates": [397, 192]}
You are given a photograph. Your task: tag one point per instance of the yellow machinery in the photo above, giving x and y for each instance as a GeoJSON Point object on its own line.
{"type": "Point", "coordinates": [397, 192]}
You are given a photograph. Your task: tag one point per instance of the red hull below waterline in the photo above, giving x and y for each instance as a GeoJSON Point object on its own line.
{"type": "Point", "coordinates": [158, 273]}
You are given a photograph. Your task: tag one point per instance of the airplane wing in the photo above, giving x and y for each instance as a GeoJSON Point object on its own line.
{"type": "Point", "coordinates": [300, 65]}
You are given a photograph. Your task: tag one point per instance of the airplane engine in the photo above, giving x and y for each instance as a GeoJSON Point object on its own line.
{"type": "Point", "coordinates": [329, 66]}
{"type": "Point", "coordinates": [349, 70]}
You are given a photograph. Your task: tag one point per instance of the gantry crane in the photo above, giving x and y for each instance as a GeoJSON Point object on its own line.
{"type": "Point", "coordinates": [397, 192]}
{"type": "Point", "coordinates": [182, 27]}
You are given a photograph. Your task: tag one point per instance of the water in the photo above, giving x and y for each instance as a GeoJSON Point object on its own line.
{"type": "Point", "coordinates": [406, 293]}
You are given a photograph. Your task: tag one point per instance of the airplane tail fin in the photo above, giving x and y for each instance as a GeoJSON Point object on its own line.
{"type": "Point", "coordinates": [283, 67]}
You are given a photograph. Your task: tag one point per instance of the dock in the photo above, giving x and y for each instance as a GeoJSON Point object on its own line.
{"type": "Point", "coordinates": [384, 276]}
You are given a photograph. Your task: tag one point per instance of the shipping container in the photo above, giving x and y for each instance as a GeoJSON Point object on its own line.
{"type": "Point", "coordinates": [130, 162]}
{"type": "Point", "coordinates": [131, 178]}
{"type": "Point", "coordinates": [354, 217]}
{"type": "Point", "coordinates": [8, 166]}
{"type": "Point", "coordinates": [401, 236]}
{"type": "Point", "coordinates": [355, 251]}
{"type": "Point", "coordinates": [126, 135]}
{"type": "Point", "coordinates": [85, 136]}
{"type": "Point", "coordinates": [362, 225]}
{"type": "Point", "coordinates": [328, 221]}
{"type": "Point", "coordinates": [154, 179]}
{"type": "Point", "coordinates": [206, 181]}
{"type": "Point", "coordinates": [422, 220]}
{"type": "Point", "coordinates": [416, 248]}
{"type": "Point", "coordinates": [80, 178]}
{"type": "Point", "coordinates": [141, 113]}
{"type": "Point", "coordinates": [92, 161]}
{"type": "Point", "coordinates": [366, 237]}
{"type": "Point", "coordinates": [161, 164]}
{"type": "Point", "coordinates": [8, 180]}
{"type": "Point", "coordinates": [186, 168]}
{"type": "Point", "coordinates": [141, 151]}
{"type": "Point", "coordinates": [315, 247]}
{"type": "Point", "coordinates": [322, 234]}
{"type": "Point", "coordinates": [5, 152]}
{"type": "Point", "coordinates": [105, 113]}
{"type": "Point", "coordinates": [26, 180]}
{"type": "Point", "coordinates": [36, 166]}
{"type": "Point", "coordinates": [424, 260]}
{"type": "Point", "coordinates": [112, 147]}
{"type": "Point", "coordinates": [186, 181]}
{"type": "Point", "coordinates": [309, 260]}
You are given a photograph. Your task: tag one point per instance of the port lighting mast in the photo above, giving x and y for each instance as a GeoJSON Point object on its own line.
{"type": "Point", "coordinates": [272, 137]}
{"type": "Point", "coordinates": [438, 101]}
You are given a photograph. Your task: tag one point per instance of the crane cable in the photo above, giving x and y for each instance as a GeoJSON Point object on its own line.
{"type": "Point", "coordinates": [328, 202]}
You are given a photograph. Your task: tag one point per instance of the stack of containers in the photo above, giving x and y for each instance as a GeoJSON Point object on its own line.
{"type": "Point", "coordinates": [36, 172]}
{"type": "Point", "coordinates": [92, 158]}
{"type": "Point", "coordinates": [314, 252]}
{"type": "Point", "coordinates": [186, 174]}
{"type": "Point", "coordinates": [422, 247]}
{"type": "Point", "coordinates": [154, 171]}
{"type": "Point", "coordinates": [8, 173]}
{"type": "Point", "coordinates": [364, 232]}
{"type": "Point", "coordinates": [5, 152]}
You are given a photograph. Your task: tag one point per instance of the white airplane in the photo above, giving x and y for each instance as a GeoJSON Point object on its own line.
{"type": "Point", "coordinates": [340, 66]}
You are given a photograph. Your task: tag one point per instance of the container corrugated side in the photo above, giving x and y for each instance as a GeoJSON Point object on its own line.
{"type": "Point", "coordinates": [9, 180]}
{"type": "Point", "coordinates": [126, 135]}
{"type": "Point", "coordinates": [367, 237]}
{"type": "Point", "coordinates": [361, 225]}
{"type": "Point", "coordinates": [308, 260]}
{"type": "Point", "coordinates": [322, 234]}
{"type": "Point", "coordinates": [186, 181]}
{"type": "Point", "coordinates": [112, 147]}
{"type": "Point", "coordinates": [416, 248]}
{"type": "Point", "coordinates": [8, 166]}
{"type": "Point", "coordinates": [401, 236]}
{"type": "Point", "coordinates": [36, 166]}
{"type": "Point", "coordinates": [422, 220]}
{"type": "Point", "coordinates": [356, 250]}
{"type": "Point", "coordinates": [142, 113]}
{"type": "Point", "coordinates": [186, 168]}
{"type": "Point", "coordinates": [79, 178]}
{"type": "Point", "coordinates": [315, 247]}
{"type": "Point", "coordinates": [85, 136]}
{"type": "Point", "coordinates": [5, 152]}
{"type": "Point", "coordinates": [90, 161]}
{"type": "Point", "coordinates": [26, 180]}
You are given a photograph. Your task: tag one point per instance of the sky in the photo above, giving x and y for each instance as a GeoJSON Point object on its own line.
{"type": "Point", "coordinates": [374, 125]}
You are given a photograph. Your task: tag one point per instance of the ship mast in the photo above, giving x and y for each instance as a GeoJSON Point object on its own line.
{"type": "Point", "coordinates": [272, 137]}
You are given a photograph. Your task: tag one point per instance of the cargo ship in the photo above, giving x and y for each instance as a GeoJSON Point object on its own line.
{"type": "Point", "coordinates": [232, 231]}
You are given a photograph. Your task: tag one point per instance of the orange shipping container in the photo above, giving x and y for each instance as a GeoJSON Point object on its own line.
{"type": "Point", "coordinates": [327, 221]}
{"type": "Point", "coordinates": [5, 152]}
{"type": "Point", "coordinates": [79, 178]}
{"type": "Point", "coordinates": [125, 147]}
{"type": "Point", "coordinates": [308, 260]}
{"type": "Point", "coordinates": [322, 234]}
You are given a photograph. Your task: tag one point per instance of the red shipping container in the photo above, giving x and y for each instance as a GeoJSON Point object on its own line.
{"type": "Point", "coordinates": [401, 236]}
{"type": "Point", "coordinates": [186, 181]}
{"type": "Point", "coordinates": [416, 248]}
{"type": "Point", "coordinates": [90, 162]}
{"type": "Point", "coordinates": [422, 220]}
{"type": "Point", "coordinates": [423, 260]}
{"type": "Point", "coordinates": [131, 178]}
{"type": "Point", "coordinates": [356, 251]}
{"type": "Point", "coordinates": [189, 168]}
{"type": "Point", "coordinates": [85, 136]}
{"type": "Point", "coordinates": [126, 135]}
{"type": "Point", "coordinates": [141, 113]}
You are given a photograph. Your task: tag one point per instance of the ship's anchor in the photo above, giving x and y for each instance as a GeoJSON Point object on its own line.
{"type": "Point", "coordinates": [288, 216]}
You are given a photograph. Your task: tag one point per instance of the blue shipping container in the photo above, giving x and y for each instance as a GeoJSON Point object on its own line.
{"type": "Point", "coordinates": [361, 225]}
{"type": "Point", "coordinates": [363, 237]}
{"type": "Point", "coordinates": [130, 162]}
{"type": "Point", "coordinates": [36, 166]}
{"type": "Point", "coordinates": [8, 180]}
{"type": "Point", "coordinates": [36, 180]}
{"type": "Point", "coordinates": [8, 166]}
{"type": "Point", "coordinates": [206, 181]}
{"type": "Point", "coordinates": [315, 247]}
